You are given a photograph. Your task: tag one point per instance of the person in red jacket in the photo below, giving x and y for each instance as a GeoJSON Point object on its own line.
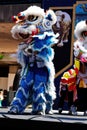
{"type": "Point", "coordinates": [68, 91]}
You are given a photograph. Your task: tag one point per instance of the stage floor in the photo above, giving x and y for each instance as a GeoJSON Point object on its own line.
{"type": "Point", "coordinates": [56, 117]}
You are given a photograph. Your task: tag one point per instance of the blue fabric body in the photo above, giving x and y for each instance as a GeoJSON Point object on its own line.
{"type": "Point", "coordinates": [36, 86]}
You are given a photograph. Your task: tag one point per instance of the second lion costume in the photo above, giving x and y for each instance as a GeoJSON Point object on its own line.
{"type": "Point", "coordinates": [75, 79]}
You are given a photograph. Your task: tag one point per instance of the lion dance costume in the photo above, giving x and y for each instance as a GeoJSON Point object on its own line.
{"type": "Point", "coordinates": [35, 54]}
{"type": "Point", "coordinates": [80, 53]}
{"type": "Point", "coordinates": [76, 78]}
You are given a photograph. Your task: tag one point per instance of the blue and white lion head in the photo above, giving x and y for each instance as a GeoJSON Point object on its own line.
{"type": "Point", "coordinates": [32, 21]}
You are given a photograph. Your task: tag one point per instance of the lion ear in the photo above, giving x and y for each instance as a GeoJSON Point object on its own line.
{"type": "Point", "coordinates": [86, 21]}
{"type": "Point", "coordinates": [63, 16]}
{"type": "Point", "coordinates": [51, 16]}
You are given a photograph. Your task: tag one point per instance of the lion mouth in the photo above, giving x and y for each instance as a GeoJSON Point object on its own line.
{"type": "Point", "coordinates": [27, 38]}
{"type": "Point", "coordinates": [24, 36]}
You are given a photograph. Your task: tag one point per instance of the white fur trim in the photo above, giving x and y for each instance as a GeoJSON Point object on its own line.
{"type": "Point", "coordinates": [80, 27]}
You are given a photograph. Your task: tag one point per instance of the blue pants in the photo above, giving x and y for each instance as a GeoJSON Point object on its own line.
{"type": "Point", "coordinates": [32, 89]}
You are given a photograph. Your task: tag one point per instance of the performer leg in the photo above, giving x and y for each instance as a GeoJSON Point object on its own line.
{"type": "Point", "coordinates": [39, 88]}
{"type": "Point", "coordinates": [23, 95]}
{"type": "Point", "coordinates": [71, 104]}
{"type": "Point", "coordinates": [49, 104]}
{"type": "Point", "coordinates": [62, 98]}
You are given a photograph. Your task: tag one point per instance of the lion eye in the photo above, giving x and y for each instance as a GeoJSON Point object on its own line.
{"type": "Point", "coordinates": [84, 33]}
{"type": "Point", "coordinates": [32, 18]}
